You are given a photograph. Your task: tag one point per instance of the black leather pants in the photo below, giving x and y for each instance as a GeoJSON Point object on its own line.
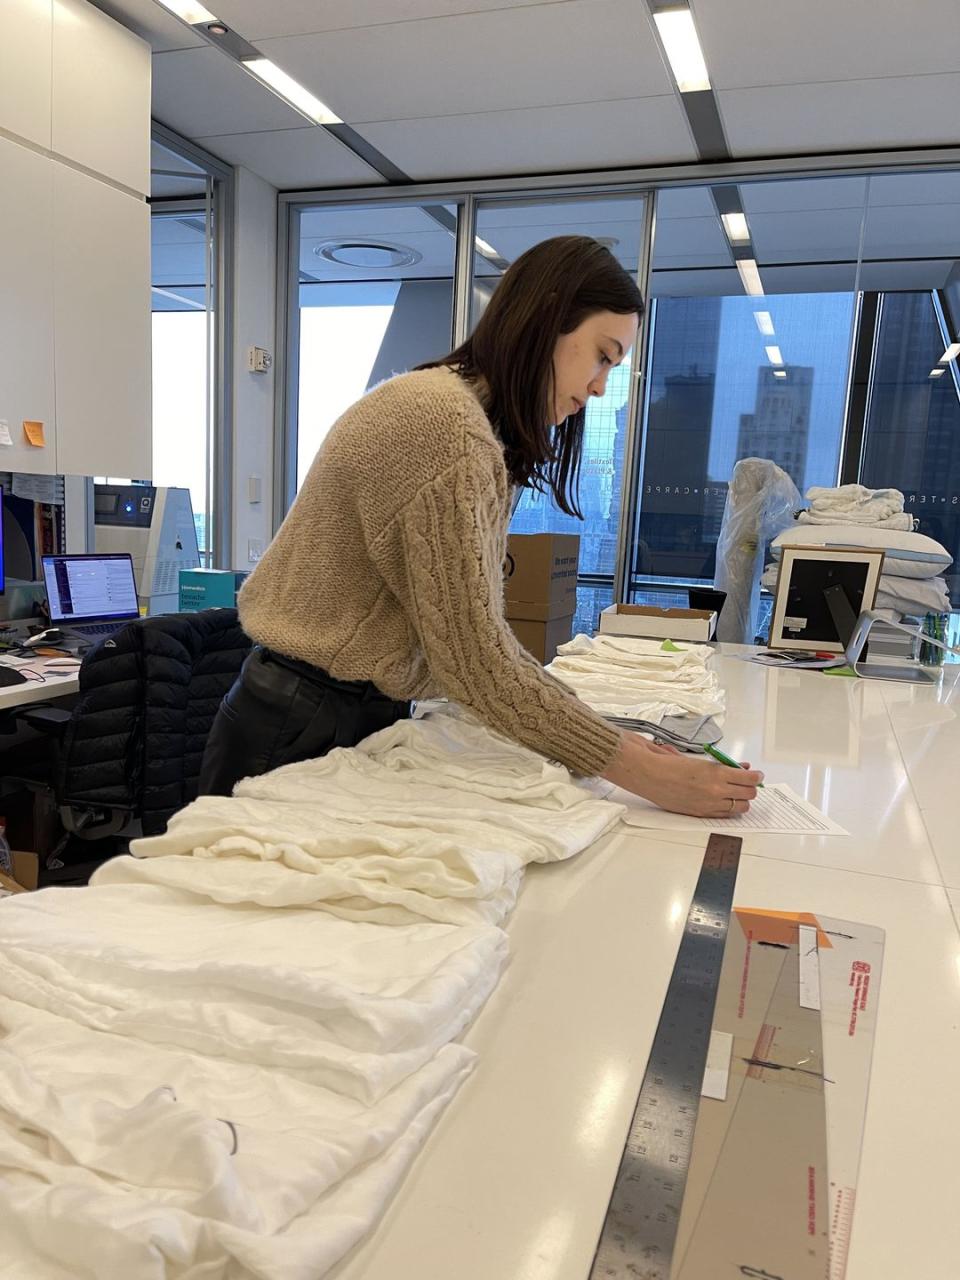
{"type": "Point", "coordinates": [279, 711]}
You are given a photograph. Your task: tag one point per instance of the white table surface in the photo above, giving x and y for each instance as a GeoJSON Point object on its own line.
{"type": "Point", "coordinates": [514, 1182]}
{"type": "Point", "coordinates": [55, 684]}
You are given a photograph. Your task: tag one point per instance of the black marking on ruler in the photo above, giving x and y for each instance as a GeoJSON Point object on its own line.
{"type": "Point", "coordinates": [640, 1228]}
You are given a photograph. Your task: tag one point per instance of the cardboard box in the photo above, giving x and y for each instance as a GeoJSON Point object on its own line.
{"type": "Point", "coordinates": [26, 867]}
{"type": "Point", "coordinates": [209, 588]}
{"type": "Point", "coordinates": [540, 576]}
{"type": "Point", "coordinates": [542, 638]}
{"type": "Point", "coordinates": [663, 624]}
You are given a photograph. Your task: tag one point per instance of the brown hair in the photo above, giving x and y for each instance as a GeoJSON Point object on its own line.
{"type": "Point", "coordinates": [548, 291]}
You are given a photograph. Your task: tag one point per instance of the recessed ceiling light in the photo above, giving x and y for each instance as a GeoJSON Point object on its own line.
{"type": "Point", "coordinates": [216, 28]}
{"type": "Point", "coordinates": [773, 355]}
{"type": "Point", "coordinates": [750, 276]}
{"type": "Point", "coordinates": [189, 11]}
{"type": "Point", "coordinates": [735, 225]}
{"type": "Point", "coordinates": [483, 247]}
{"type": "Point", "coordinates": [937, 373]}
{"type": "Point", "coordinates": [682, 47]}
{"type": "Point", "coordinates": [369, 254]}
{"type": "Point", "coordinates": [951, 353]}
{"type": "Point", "coordinates": [764, 323]}
{"type": "Point", "coordinates": [291, 91]}
{"type": "Point", "coordinates": [779, 373]}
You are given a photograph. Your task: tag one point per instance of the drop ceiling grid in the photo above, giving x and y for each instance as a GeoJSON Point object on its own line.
{"type": "Point", "coordinates": [257, 21]}
{"type": "Point", "coordinates": [507, 59]}
{"type": "Point", "coordinates": [751, 43]}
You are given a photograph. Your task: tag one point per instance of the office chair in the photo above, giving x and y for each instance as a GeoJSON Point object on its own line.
{"type": "Point", "coordinates": [127, 755]}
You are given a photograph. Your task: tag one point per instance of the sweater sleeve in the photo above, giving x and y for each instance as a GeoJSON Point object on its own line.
{"type": "Point", "coordinates": [441, 556]}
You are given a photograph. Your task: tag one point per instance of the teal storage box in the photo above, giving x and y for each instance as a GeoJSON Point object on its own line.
{"type": "Point", "coordinates": [209, 588]}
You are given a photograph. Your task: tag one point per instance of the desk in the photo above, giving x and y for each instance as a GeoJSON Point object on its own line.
{"type": "Point", "coordinates": [514, 1182]}
{"type": "Point", "coordinates": [54, 685]}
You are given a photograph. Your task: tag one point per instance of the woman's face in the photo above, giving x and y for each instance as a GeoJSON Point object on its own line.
{"type": "Point", "coordinates": [583, 358]}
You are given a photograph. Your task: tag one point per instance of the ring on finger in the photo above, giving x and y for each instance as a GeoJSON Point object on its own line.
{"type": "Point", "coordinates": [733, 804]}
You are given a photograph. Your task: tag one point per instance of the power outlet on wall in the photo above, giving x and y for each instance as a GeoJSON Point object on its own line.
{"type": "Point", "coordinates": [254, 550]}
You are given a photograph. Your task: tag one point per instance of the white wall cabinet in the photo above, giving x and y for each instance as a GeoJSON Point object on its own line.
{"type": "Point", "coordinates": [25, 69]}
{"type": "Point", "coordinates": [101, 95]}
{"type": "Point", "coordinates": [26, 306]}
{"type": "Point", "coordinates": [101, 263]}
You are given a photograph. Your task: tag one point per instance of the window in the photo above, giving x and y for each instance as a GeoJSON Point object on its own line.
{"type": "Point", "coordinates": [912, 438]}
{"type": "Point", "coordinates": [376, 298]}
{"type": "Point", "coordinates": [505, 230]}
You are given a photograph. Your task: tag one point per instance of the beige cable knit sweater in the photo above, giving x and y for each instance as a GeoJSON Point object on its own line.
{"type": "Point", "coordinates": [388, 568]}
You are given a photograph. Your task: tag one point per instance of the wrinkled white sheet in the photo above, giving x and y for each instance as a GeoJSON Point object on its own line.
{"type": "Point", "coordinates": [430, 819]}
{"type": "Point", "coordinates": [636, 677]}
{"type": "Point", "coordinates": [217, 1062]}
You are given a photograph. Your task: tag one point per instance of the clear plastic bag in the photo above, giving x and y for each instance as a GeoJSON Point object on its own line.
{"type": "Point", "coordinates": [761, 502]}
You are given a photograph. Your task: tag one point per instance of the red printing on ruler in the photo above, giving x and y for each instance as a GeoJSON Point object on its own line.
{"type": "Point", "coordinates": [746, 973]}
{"type": "Point", "coordinates": [811, 1200]}
{"type": "Point", "coordinates": [860, 981]}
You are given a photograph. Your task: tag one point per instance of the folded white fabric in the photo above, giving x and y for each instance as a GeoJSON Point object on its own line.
{"type": "Point", "coordinates": [125, 1159]}
{"type": "Point", "coordinates": [855, 501]}
{"type": "Point", "coordinates": [640, 678]}
{"type": "Point", "coordinates": [900, 521]}
{"type": "Point", "coordinates": [431, 819]}
{"type": "Point", "coordinates": [908, 555]}
{"type": "Point", "coordinates": [195, 1085]}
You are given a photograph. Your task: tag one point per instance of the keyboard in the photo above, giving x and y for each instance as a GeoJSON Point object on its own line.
{"type": "Point", "coordinates": [93, 628]}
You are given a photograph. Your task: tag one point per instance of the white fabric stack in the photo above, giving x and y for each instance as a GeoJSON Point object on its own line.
{"type": "Point", "coordinates": [217, 1061]}
{"type": "Point", "coordinates": [911, 583]}
{"type": "Point", "coordinates": [638, 678]}
{"type": "Point", "coordinates": [856, 504]}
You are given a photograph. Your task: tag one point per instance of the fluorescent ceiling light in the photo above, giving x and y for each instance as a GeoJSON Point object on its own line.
{"type": "Point", "coordinates": [951, 353]}
{"type": "Point", "coordinates": [682, 47]}
{"type": "Point", "coordinates": [189, 11]}
{"type": "Point", "coordinates": [937, 373]}
{"type": "Point", "coordinates": [764, 323]}
{"type": "Point", "coordinates": [750, 276]}
{"type": "Point", "coordinates": [779, 373]}
{"type": "Point", "coordinates": [291, 91]}
{"type": "Point", "coordinates": [735, 225]}
{"type": "Point", "coordinates": [483, 247]}
{"type": "Point", "coordinates": [773, 355]}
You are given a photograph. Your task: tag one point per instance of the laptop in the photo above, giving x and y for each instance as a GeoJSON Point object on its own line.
{"type": "Point", "coordinates": [90, 596]}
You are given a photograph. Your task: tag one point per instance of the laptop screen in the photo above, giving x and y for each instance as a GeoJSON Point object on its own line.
{"type": "Point", "coordinates": [90, 588]}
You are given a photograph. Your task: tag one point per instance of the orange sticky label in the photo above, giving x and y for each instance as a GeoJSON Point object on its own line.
{"type": "Point", "coordinates": [778, 926]}
{"type": "Point", "coordinates": [34, 433]}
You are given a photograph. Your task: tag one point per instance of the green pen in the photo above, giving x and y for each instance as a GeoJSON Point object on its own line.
{"type": "Point", "coordinates": [718, 755]}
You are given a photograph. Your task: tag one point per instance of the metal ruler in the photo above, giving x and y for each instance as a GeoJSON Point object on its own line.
{"type": "Point", "coordinates": [639, 1231]}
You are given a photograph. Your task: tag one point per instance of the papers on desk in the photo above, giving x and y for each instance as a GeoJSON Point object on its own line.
{"type": "Point", "coordinates": [777, 810]}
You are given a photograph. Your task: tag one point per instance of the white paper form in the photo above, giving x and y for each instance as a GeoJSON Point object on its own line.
{"type": "Point", "coordinates": [777, 810]}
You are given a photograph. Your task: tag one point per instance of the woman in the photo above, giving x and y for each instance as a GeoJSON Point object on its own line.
{"type": "Point", "coordinates": [384, 582]}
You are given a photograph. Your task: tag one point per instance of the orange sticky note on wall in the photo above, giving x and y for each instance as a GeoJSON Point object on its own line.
{"type": "Point", "coordinates": [34, 433]}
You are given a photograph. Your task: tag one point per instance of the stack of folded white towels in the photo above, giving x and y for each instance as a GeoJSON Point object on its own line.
{"type": "Point", "coordinates": [852, 515]}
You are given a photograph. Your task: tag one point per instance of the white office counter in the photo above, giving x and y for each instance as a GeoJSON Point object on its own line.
{"type": "Point", "coordinates": [54, 684]}
{"type": "Point", "coordinates": [514, 1182]}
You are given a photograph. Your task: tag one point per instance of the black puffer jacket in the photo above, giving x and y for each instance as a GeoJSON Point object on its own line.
{"type": "Point", "coordinates": [148, 697]}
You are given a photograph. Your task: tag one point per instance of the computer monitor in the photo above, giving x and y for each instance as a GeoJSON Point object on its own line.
{"type": "Point", "coordinates": [90, 588]}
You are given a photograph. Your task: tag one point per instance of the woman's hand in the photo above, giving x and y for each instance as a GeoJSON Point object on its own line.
{"type": "Point", "coordinates": [682, 783]}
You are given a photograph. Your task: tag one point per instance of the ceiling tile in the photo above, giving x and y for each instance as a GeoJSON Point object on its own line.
{"type": "Point", "coordinates": [685, 202]}
{"type": "Point", "coordinates": [201, 91]}
{"type": "Point", "coordinates": [795, 194]}
{"type": "Point", "coordinates": [923, 231]}
{"type": "Point", "coordinates": [554, 140]}
{"type": "Point", "coordinates": [255, 20]}
{"type": "Point", "coordinates": [915, 188]}
{"type": "Point", "coordinates": [516, 57]}
{"type": "Point", "coordinates": [905, 275]}
{"type": "Point", "coordinates": [293, 158]}
{"type": "Point", "coordinates": [581, 215]}
{"type": "Point", "coordinates": [754, 42]}
{"type": "Point", "coordinates": [856, 115]}
{"type": "Point", "coordinates": [685, 242]}
{"type": "Point", "coordinates": [821, 235]}
{"type": "Point", "coordinates": [161, 30]}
